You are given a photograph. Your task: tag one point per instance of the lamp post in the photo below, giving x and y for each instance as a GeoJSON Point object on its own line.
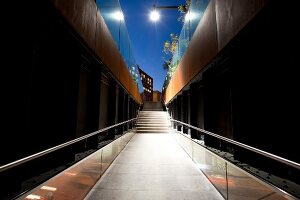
{"type": "Point", "coordinates": [154, 15]}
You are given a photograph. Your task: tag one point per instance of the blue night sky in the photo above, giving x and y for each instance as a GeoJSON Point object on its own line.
{"type": "Point", "coordinates": [147, 38]}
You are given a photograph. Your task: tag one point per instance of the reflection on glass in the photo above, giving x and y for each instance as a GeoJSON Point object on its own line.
{"type": "Point", "coordinates": [118, 15]}
{"type": "Point", "coordinates": [192, 19]}
{"type": "Point", "coordinates": [246, 186]}
{"type": "Point", "coordinates": [115, 20]}
{"type": "Point", "coordinates": [76, 181]}
{"type": "Point", "coordinates": [231, 181]}
{"type": "Point", "coordinates": [215, 171]}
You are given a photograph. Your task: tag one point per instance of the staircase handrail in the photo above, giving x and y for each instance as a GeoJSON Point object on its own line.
{"type": "Point", "coordinates": [250, 148]}
{"type": "Point", "coordinates": [47, 151]}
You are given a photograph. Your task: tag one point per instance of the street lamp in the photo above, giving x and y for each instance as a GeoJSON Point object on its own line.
{"type": "Point", "coordinates": [154, 15]}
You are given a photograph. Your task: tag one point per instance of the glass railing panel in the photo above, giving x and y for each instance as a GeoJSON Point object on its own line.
{"type": "Point", "coordinates": [243, 186]}
{"type": "Point", "coordinates": [185, 144]}
{"type": "Point", "coordinates": [188, 145]}
{"type": "Point", "coordinates": [33, 170]}
{"type": "Point", "coordinates": [124, 43]}
{"type": "Point", "coordinates": [73, 183]}
{"type": "Point", "coordinates": [122, 143]}
{"type": "Point", "coordinates": [191, 21]}
{"type": "Point", "coordinates": [126, 138]}
{"type": "Point", "coordinates": [108, 155]}
{"type": "Point", "coordinates": [115, 20]}
{"type": "Point", "coordinates": [109, 10]}
{"type": "Point", "coordinates": [236, 181]}
{"type": "Point", "coordinates": [213, 167]}
{"type": "Point", "coordinates": [119, 145]}
{"type": "Point", "coordinates": [196, 12]}
{"type": "Point", "coordinates": [76, 181]}
{"type": "Point", "coordinates": [276, 196]}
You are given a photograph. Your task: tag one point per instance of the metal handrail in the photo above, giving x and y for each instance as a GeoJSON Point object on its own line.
{"type": "Point", "coordinates": [39, 154]}
{"type": "Point", "coordinates": [253, 149]}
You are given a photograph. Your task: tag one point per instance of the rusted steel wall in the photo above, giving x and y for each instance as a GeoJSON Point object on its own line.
{"type": "Point", "coordinates": [84, 17]}
{"type": "Point", "coordinates": [222, 20]}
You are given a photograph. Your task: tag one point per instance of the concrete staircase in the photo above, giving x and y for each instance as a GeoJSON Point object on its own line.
{"type": "Point", "coordinates": [153, 122]}
{"type": "Point", "coordinates": [152, 106]}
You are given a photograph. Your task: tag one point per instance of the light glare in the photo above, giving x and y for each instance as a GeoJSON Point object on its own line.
{"type": "Point", "coordinates": [48, 188]}
{"type": "Point", "coordinates": [189, 16]}
{"type": "Point", "coordinates": [154, 16]}
{"type": "Point", "coordinates": [32, 196]}
{"type": "Point", "coordinates": [70, 174]}
{"type": "Point", "coordinates": [118, 15]}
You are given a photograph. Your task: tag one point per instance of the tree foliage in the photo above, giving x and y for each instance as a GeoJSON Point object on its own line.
{"type": "Point", "coordinates": [169, 49]}
{"type": "Point", "coordinates": [170, 46]}
{"type": "Point", "coordinates": [183, 9]}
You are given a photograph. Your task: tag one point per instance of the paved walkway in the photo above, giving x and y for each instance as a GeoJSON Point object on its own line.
{"type": "Point", "coordinates": [153, 166]}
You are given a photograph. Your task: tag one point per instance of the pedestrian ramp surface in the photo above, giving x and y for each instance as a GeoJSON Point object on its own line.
{"type": "Point", "coordinates": [153, 166]}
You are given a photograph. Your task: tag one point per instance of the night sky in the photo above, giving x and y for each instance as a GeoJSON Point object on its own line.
{"type": "Point", "coordinates": [147, 38]}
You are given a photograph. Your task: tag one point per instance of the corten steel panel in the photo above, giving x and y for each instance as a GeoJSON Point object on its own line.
{"type": "Point", "coordinates": [185, 65]}
{"type": "Point", "coordinates": [174, 84]}
{"type": "Point", "coordinates": [180, 77]}
{"type": "Point", "coordinates": [124, 76]}
{"type": "Point", "coordinates": [68, 9]}
{"type": "Point", "coordinates": [138, 96]}
{"type": "Point", "coordinates": [204, 45]}
{"type": "Point", "coordinates": [177, 80]}
{"type": "Point", "coordinates": [131, 86]}
{"type": "Point", "coordinates": [89, 24]}
{"type": "Point", "coordinates": [74, 12]}
{"type": "Point", "coordinates": [109, 52]}
{"type": "Point", "coordinates": [169, 91]}
{"type": "Point", "coordinates": [98, 34]}
{"type": "Point", "coordinates": [134, 91]}
{"type": "Point", "coordinates": [202, 49]}
{"type": "Point", "coordinates": [233, 15]}
{"type": "Point", "coordinates": [128, 82]}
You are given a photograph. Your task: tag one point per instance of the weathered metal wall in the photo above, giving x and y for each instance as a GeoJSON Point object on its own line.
{"type": "Point", "coordinates": [84, 17]}
{"type": "Point", "coordinates": [222, 20]}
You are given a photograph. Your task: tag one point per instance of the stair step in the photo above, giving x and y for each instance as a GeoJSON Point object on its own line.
{"type": "Point", "coordinates": [154, 128]}
{"type": "Point", "coordinates": [152, 125]}
{"type": "Point", "coordinates": [153, 122]}
{"type": "Point", "coordinates": [152, 131]}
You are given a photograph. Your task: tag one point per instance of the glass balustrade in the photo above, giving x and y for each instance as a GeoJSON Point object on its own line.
{"type": "Point", "coordinates": [231, 181]}
{"type": "Point", "coordinates": [191, 21]}
{"type": "Point", "coordinates": [114, 18]}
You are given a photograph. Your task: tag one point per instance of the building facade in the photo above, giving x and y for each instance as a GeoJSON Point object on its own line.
{"type": "Point", "coordinates": [147, 82]}
{"type": "Point", "coordinates": [156, 96]}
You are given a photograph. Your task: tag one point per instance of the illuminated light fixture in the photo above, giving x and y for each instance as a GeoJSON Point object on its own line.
{"type": "Point", "coordinates": [154, 15]}
{"type": "Point", "coordinates": [118, 15]}
{"type": "Point", "coordinates": [32, 196]}
{"type": "Point", "coordinates": [189, 16]}
{"type": "Point", "coordinates": [52, 189]}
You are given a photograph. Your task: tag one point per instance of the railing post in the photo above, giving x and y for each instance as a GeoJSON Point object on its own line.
{"type": "Point", "coordinates": [178, 105]}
